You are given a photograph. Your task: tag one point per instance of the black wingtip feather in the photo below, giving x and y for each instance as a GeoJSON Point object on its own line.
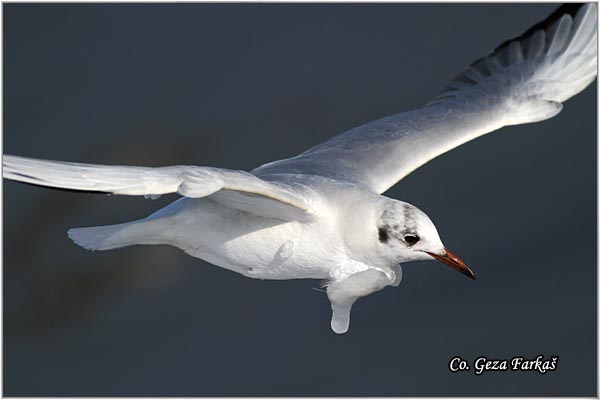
{"type": "Point", "coordinates": [41, 185]}
{"type": "Point", "coordinates": [567, 8]}
{"type": "Point", "coordinates": [499, 54]}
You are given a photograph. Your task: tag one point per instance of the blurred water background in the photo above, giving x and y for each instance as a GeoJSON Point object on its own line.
{"type": "Point", "coordinates": [238, 85]}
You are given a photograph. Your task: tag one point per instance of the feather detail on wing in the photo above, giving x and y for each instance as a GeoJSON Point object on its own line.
{"type": "Point", "coordinates": [553, 61]}
{"type": "Point", "coordinates": [524, 80]}
{"type": "Point", "coordinates": [239, 189]}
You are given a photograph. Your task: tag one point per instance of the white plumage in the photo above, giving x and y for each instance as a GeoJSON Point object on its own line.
{"type": "Point", "coordinates": [321, 214]}
{"type": "Point", "coordinates": [525, 80]}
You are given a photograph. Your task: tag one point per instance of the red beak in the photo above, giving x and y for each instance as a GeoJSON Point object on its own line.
{"type": "Point", "coordinates": [450, 259]}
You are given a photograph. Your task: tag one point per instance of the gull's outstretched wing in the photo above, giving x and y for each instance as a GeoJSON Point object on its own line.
{"type": "Point", "coordinates": [238, 189]}
{"type": "Point", "coordinates": [524, 80]}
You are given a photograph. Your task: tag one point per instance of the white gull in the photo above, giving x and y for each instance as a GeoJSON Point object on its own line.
{"type": "Point", "coordinates": [321, 215]}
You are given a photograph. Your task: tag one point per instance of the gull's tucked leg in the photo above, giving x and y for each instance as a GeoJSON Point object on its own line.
{"type": "Point", "coordinates": [343, 293]}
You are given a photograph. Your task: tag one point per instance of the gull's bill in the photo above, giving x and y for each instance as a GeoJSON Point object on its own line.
{"type": "Point", "coordinates": [450, 259]}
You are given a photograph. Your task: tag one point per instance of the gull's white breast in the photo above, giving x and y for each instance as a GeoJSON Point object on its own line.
{"type": "Point", "coordinates": [254, 246]}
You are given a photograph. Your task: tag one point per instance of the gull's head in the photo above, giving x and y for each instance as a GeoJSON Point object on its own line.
{"type": "Point", "coordinates": [405, 233]}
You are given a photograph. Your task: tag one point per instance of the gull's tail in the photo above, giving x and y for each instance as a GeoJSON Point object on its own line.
{"type": "Point", "coordinates": [97, 237]}
{"type": "Point", "coordinates": [106, 237]}
{"type": "Point", "coordinates": [155, 229]}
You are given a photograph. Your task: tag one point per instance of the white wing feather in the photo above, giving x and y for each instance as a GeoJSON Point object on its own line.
{"type": "Point", "coordinates": [524, 80]}
{"type": "Point", "coordinates": [238, 188]}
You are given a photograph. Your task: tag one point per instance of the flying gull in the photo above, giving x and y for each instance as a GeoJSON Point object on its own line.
{"type": "Point", "coordinates": [321, 214]}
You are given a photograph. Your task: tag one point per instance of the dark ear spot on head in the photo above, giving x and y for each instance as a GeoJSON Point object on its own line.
{"type": "Point", "coordinates": [383, 235]}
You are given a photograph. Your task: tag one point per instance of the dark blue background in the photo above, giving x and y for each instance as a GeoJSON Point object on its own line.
{"type": "Point", "coordinates": [239, 85]}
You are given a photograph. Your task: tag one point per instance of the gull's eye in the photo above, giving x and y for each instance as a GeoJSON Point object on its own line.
{"type": "Point", "coordinates": [411, 239]}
